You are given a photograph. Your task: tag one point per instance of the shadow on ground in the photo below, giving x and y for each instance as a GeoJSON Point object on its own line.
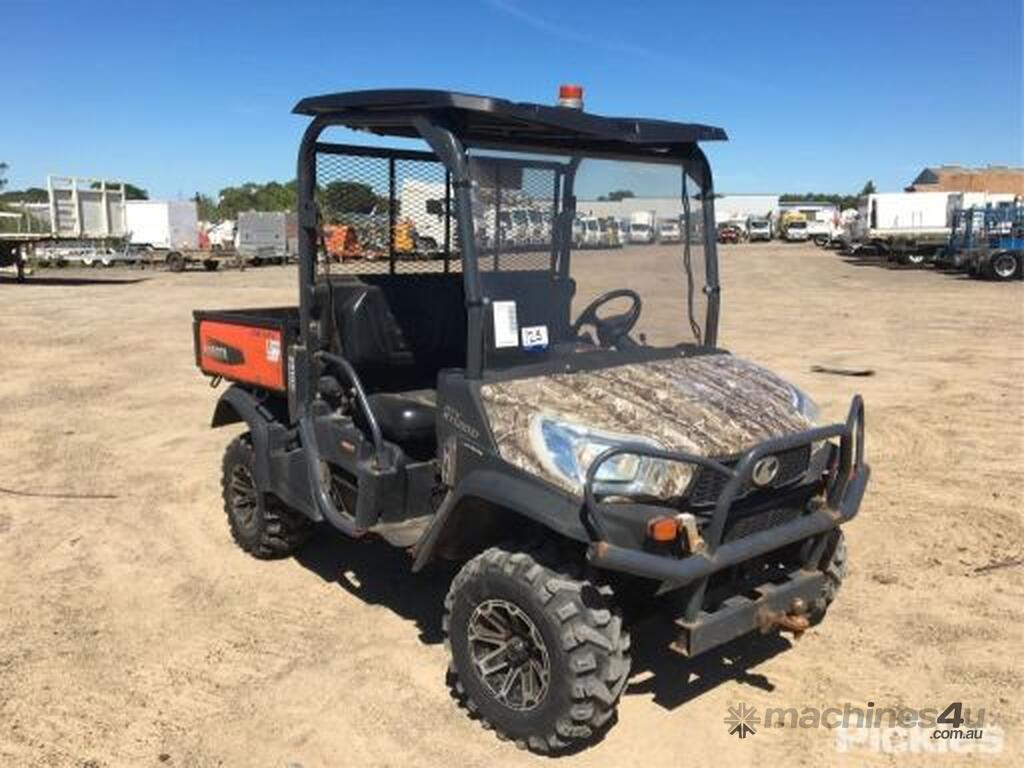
{"type": "Point", "coordinates": [673, 679]}
{"type": "Point", "coordinates": [67, 282]}
{"type": "Point", "coordinates": [379, 574]}
{"type": "Point", "coordinates": [373, 571]}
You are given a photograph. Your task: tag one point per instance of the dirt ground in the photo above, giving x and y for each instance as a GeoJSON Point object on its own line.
{"type": "Point", "coordinates": [133, 632]}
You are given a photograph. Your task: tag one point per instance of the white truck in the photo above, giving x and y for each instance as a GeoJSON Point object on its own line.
{"type": "Point", "coordinates": [668, 231]}
{"type": "Point", "coordinates": [266, 236]}
{"type": "Point", "coordinates": [759, 229]}
{"type": "Point", "coordinates": [822, 225]}
{"type": "Point", "coordinates": [167, 232]}
{"type": "Point", "coordinates": [586, 232]}
{"type": "Point", "coordinates": [641, 227]}
{"type": "Point", "coordinates": [908, 227]}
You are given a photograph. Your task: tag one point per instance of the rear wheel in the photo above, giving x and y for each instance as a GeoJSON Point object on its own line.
{"type": "Point", "coordinates": [538, 655]}
{"type": "Point", "coordinates": [1004, 266]}
{"type": "Point", "coordinates": [210, 265]}
{"type": "Point", "coordinates": [175, 262]}
{"type": "Point", "coordinates": [260, 524]}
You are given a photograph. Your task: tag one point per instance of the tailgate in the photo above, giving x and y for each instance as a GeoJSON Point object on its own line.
{"type": "Point", "coordinates": [245, 345]}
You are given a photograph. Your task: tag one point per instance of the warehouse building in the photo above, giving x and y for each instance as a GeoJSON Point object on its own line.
{"type": "Point", "coordinates": [955, 178]}
{"type": "Point", "coordinates": [735, 208]}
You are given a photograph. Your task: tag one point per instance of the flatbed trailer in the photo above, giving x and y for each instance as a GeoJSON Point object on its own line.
{"type": "Point", "coordinates": [81, 215]}
{"type": "Point", "coordinates": [180, 259]}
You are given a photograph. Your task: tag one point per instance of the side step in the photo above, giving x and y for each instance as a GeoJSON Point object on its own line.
{"type": "Point", "coordinates": [403, 533]}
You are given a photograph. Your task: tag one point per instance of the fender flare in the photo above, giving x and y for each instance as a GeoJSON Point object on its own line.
{"type": "Point", "coordinates": [237, 404]}
{"type": "Point", "coordinates": [517, 496]}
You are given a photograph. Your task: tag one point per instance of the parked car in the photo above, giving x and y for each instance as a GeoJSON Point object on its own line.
{"type": "Point", "coordinates": [796, 231]}
{"type": "Point", "coordinates": [729, 233]}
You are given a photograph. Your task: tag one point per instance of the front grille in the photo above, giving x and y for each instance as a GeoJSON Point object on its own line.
{"type": "Point", "coordinates": [762, 521]}
{"type": "Point", "coordinates": [707, 484]}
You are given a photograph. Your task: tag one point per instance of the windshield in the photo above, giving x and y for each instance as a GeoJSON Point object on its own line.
{"type": "Point", "coordinates": [558, 295]}
{"type": "Point", "coordinates": [798, 225]}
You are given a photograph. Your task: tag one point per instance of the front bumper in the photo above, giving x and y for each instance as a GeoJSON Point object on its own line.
{"type": "Point", "coordinates": [847, 481]}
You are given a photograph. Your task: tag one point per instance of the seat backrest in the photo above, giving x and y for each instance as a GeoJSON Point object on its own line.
{"type": "Point", "coordinates": [398, 331]}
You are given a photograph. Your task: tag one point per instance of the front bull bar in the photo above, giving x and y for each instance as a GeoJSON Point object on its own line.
{"type": "Point", "coordinates": [844, 491]}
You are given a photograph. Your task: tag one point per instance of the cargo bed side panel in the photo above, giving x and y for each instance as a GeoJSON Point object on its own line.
{"type": "Point", "coordinates": [244, 353]}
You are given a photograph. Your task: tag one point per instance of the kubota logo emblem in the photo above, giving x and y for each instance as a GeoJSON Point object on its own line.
{"type": "Point", "coordinates": [765, 471]}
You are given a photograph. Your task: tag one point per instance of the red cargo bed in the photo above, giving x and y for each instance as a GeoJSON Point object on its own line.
{"type": "Point", "coordinates": [249, 346]}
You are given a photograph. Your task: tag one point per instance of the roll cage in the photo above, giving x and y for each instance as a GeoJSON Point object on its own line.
{"type": "Point", "coordinates": [452, 124]}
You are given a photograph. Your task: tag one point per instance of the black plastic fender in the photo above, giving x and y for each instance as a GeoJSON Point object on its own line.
{"type": "Point", "coordinates": [515, 495]}
{"type": "Point", "coordinates": [238, 404]}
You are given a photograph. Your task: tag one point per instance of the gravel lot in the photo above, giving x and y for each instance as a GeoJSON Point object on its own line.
{"type": "Point", "coordinates": [133, 632]}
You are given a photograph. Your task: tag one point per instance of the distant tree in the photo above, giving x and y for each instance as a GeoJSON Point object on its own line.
{"type": "Point", "coordinates": [30, 195]}
{"type": "Point", "coordinates": [3, 175]}
{"type": "Point", "coordinates": [340, 197]}
{"type": "Point", "coordinates": [131, 192]}
{"type": "Point", "coordinates": [206, 208]}
{"type": "Point", "coordinates": [869, 188]}
{"type": "Point", "coordinates": [617, 194]}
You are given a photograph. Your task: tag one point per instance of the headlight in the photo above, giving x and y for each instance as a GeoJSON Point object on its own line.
{"type": "Point", "coordinates": [804, 404]}
{"type": "Point", "coordinates": [567, 450]}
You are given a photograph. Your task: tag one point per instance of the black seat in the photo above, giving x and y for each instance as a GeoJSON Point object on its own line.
{"type": "Point", "coordinates": [404, 419]}
{"type": "Point", "coordinates": [398, 331]}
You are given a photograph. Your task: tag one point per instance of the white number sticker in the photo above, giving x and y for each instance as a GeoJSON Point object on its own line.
{"type": "Point", "coordinates": [506, 325]}
{"type": "Point", "coordinates": [535, 337]}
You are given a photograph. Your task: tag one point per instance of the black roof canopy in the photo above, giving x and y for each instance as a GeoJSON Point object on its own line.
{"type": "Point", "coordinates": [489, 122]}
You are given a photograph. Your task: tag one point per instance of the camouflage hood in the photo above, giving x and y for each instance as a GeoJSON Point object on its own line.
{"type": "Point", "coordinates": [712, 405]}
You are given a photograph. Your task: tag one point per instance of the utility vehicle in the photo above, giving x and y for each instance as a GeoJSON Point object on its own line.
{"type": "Point", "coordinates": [562, 422]}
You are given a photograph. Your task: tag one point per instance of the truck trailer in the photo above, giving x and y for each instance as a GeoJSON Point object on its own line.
{"type": "Point", "coordinates": [909, 227]}
{"type": "Point", "coordinates": [167, 232]}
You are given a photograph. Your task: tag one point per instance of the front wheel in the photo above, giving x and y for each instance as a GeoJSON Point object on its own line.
{"type": "Point", "coordinates": [538, 655]}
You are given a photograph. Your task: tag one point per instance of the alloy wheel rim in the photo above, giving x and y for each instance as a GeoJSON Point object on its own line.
{"type": "Point", "coordinates": [509, 654]}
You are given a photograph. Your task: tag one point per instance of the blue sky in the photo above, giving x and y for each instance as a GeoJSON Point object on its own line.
{"type": "Point", "coordinates": [184, 96]}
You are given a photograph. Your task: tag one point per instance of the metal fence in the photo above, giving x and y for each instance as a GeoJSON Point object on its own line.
{"type": "Point", "coordinates": [394, 211]}
{"type": "Point", "coordinates": [384, 211]}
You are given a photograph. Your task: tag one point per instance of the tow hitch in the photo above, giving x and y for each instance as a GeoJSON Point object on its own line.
{"type": "Point", "coordinates": [794, 620]}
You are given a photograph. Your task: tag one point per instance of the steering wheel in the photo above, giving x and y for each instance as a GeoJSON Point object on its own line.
{"type": "Point", "coordinates": [614, 329]}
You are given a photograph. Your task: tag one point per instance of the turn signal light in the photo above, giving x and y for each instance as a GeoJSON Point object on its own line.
{"type": "Point", "coordinates": [662, 529]}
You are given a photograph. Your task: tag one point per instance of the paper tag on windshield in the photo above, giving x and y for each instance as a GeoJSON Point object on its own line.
{"type": "Point", "coordinates": [506, 325]}
{"type": "Point", "coordinates": [535, 337]}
